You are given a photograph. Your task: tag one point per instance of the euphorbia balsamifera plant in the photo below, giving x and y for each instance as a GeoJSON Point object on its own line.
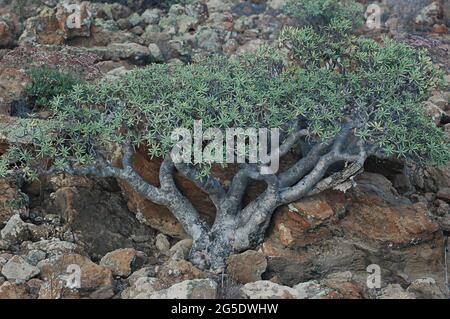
{"type": "Point", "coordinates": [338, 101]}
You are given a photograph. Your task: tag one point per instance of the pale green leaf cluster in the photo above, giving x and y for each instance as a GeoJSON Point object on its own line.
{"type": "Point", "coordinates": [333, 79]}
{"type": "Point", "coordinates": [318, 13]}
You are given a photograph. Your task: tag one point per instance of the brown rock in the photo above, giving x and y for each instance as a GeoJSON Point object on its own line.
{"type": "Point", "coordinates": [174, 271]}
{"type": "Point", "coordinates": [247, 266]}
{"type": "Point", "coordinates": [99, 218]}
{"type": "Point", "coordinates": [6, 35]}
{"type": "Point", "coordinates": [55, 289]}
{"type": "Point", "coordinates": [264, 289]}
{"type": "Point", "coordinates": [122, 262]}
{"type": "Point", "coordinates": [12, 88]}
{"type": "Point", "coordinates": [11, 201]}
{"type": "Point", "coordinates": [102, 293]}
{"type": "Point", "coordinates": [10, 28]}
{"type": "Point", "coordinates": [395, 291]}
{"type": "Point", "coordinates": [343, 286]}
{"type": "Point", "coordinates": [371, 224]}
{"type": "Point", "coordinates": [444, 194]}
{"type": "Point", "coordinates": [426, 288]}
{"type": "Point", "coordinates": [439, 28]}
{"type": "Point", "coordinates": [93, 276]}
{"type": "Point", "coordinates": [34, 286]}
{"type": "Point", "coordinates": [294, 223]}
{"type": "Point", "coordinates": [55, 26]}
{"type": "Point", "coordinates": [11, 290]}
{"type": "Point", "coordinates": [74, 24]}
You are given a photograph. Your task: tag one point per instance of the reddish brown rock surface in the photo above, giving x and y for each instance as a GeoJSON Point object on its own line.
{"type": "Point", "coordinates": [93, 276]}
{"type": "Point", "coordinates": [370, 225]}
{"type": "Point", "coordinates": [12, 88]}
{"type": "Point", "coordinates": [247, 266]}
{"type": "Point", "coordinates": [10, 203]}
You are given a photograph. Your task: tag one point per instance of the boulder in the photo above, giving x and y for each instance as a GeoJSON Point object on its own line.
{"type": "Point", "coordinates": [57, 25]}
{"type": "Point", "coordinates": [188, 289]}
{"type": "Point", "coordinates": [10, 290]}
{"type": "Point", "coordinates": [53, 247]}
{"type": "Point", "coordinates": [151, 16]}
{"type": "Point", "coordinates": [444, 194]}
{"type": "Point", "coordinates": [149, 271]}
{"type": "Point", "coordinates": [56, 289]}
{"type": "Point", "coordinates": [74, 20]}
{"type": "Point", "coordinates": [15, 231]}
{"type": "Point", "coordinates": [140, 287]}
{"type": "Point", "coordinates": [133, 52]}
{"type": "Point", "coordinates": [4, 259]}
{"type": "Point", "coordinates": [426, 288]}
{"type": "Point", "coordinates": [12, 201]}
{"type": "Point", "coordinates": [395, 291]}
{"type": "Point", "coordinates": [264, 289]}
{"type": "Point", "coordinates": [123, 262]}
{"type": "Point", "coordinates": [10, 27]}
{"type": "Point", "coordinates": [19, 270]}
{"type": "Point", "coordinates": [181, 249]}
{"type": "Point", "coordinates": [162, 243]}
{"type": "Point", "coordinates": [102, 293]}
{"type": "Point", "coordinates": [174, 271]}
{"type": "Point", "coordinates": [98, 217]}
{"type": "Point", "coordinates": [93, 276]}
{"type": "Point", "coordinates": [13, 82]}
{"type": "Point", "coordinates": [428, 16]}
{"type": "Point", "coordinates": [311, 290]}
{"type": "Point", "coordinates": [345, 285]}
{"type": "Point", "coordinates": [370, 224]}
{"type": "Point", "coordinates": [247, 266]}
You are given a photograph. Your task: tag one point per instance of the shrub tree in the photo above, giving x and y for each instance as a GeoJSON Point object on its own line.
{"type": "Point", "coordinates": [342, 99]}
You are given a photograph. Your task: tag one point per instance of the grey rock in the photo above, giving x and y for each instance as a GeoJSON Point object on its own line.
{"type": "Point", "coordinates": [162, 243]}
{"type": "Point", "coordinates": [265, 289]}
{"type": "Point", "coordinates": [395, 291]}
{"type": "Point", "coordinates": [34, 256]}
{"type": "Point", "coordinates": [54, 247]}
{"type": "Point", "coordinates": [181, 249]}
{"type": "Point", "coordinates": [151, 16]}
{"type": "Point", "coordinates": [208, 39]}
{"type": "Point", "coordinates": [15, 231]}
{"type": "Point", "coordinates": [188, 289]}
{"type": "Point", "coordinates": [135, 19]}
{"type": "Point", "coordinates": [19, 269]}
{"type": "Point", "coordinates": [426, 288]}
{"type": "Point", "coordinates": [311, 290]}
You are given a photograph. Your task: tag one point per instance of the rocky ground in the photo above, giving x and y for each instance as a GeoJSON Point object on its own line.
{"type": "Point", "coordinates": [397, 216]}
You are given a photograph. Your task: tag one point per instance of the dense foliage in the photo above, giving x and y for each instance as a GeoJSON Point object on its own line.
{"type": "Point", "coordinates": [380, 86]}
{"type": "Point", "coordinates": [333, 78]}
{"type": "Point", "coordinates": [46, 84]}
{"type": "Point", "coordinates": [318, 13]}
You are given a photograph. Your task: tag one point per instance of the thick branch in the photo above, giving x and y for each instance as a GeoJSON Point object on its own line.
{"type": "Point", "coordinates": [207, 184]}
{"type": "Point", "coordinates": [303, 187]}
{"type": "Point", "coordinates": [303, 166]}
{"type": "Point", "coordinates": [292, 140]}
{"type": "Point", "coordinates": [183, 210]}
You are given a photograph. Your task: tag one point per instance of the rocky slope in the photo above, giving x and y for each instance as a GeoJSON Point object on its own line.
{"type": "Point", "coordinates": [396, 216]}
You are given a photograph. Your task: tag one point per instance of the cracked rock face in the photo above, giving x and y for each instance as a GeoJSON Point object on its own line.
{"type": "Point", "coordinates": [371, 224]}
